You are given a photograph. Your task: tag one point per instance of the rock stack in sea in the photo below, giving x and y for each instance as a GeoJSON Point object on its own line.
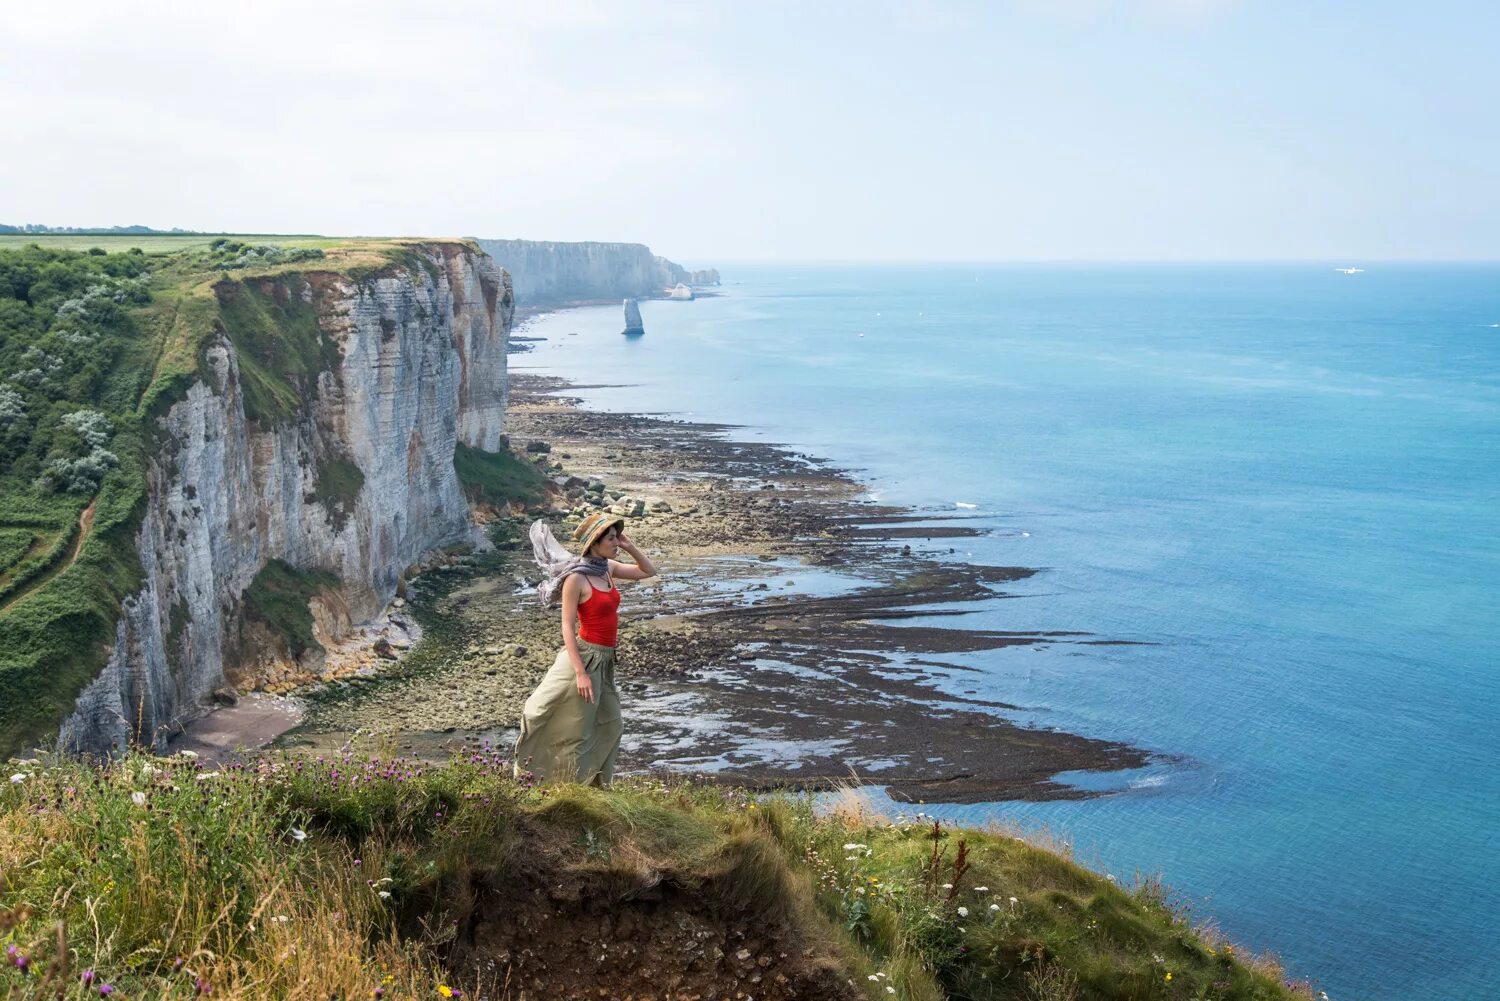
{"type": "Point", "coordinates": [633, 324]}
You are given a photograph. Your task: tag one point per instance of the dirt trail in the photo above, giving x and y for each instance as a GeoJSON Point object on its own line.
{"type": "Point", "coordinates": [85, 526]}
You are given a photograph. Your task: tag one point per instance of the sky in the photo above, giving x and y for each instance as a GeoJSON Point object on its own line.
{"type": "Point", "coordinates": [1012, 130]}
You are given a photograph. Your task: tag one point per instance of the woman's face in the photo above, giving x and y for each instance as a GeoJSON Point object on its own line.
{"type": "Point", "coordinates": [608, 544]}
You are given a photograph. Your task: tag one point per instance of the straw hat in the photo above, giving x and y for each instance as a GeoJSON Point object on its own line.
{"type": "Point", "coordinates": [594, 526]}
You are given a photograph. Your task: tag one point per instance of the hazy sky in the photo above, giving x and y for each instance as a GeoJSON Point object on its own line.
{"type": "Point", "coordinates": [1014, 129]}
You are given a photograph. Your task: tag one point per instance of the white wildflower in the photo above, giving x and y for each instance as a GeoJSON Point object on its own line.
{"type": "Point", "coordinates": [889, 989]}
{"type": "Point", "coordinates": [18, 778]}
{"type": "Point", "coordinates": [994, 907]}
{"type": "Point", "coordinates": [298, 835]}
{"type": "Point", "coordinates": [873, 976]}
{"type": "Point", "coordinates": [187, 754]}
{"type": "Point", "coordinates": [981, 889]}
{"type": "Point", "coordinates": [281, 919]}
{"type": "Point", "coordinates": [385, 894]}
{"type": "Point", "coordinates": [947, 886]}
{"type": "Point", "coordinates": [138, 798]}
{"type": "Point", "coordinates": [963, 912]}
{"type": "Point", "coordinates": [852, 847]}
{"type": "Point", "coordinates": [1110, 877]}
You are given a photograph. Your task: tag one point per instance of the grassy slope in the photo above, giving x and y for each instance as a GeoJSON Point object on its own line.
{"type": "Point", "coordinates": [403, 863]}
{"type": "Point", "coordinates": [497, 477]}
{"type": "Point", "coordinates": [58, 639]}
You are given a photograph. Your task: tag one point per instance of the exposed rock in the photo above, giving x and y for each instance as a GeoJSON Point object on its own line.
{"type": "Point", "coordinates": [633, 322]}
{"type": "Point", "coordinates": [421, 366]}
{"type": "Point", "coordinates": [550, 273]}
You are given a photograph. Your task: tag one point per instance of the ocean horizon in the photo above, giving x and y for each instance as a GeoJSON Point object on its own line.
{"type": "Point", "coordinates": [1277, 481]}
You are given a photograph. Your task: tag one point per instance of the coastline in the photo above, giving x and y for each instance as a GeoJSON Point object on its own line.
{"type": "Point", "coordinates": [794, 639]}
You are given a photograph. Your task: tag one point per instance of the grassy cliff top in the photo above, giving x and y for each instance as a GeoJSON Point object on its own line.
{"type": "Point", "coordinates": [371, 875]}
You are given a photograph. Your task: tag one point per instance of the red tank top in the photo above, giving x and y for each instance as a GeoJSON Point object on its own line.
{"type": "Point", "coordinates": [599, 617]}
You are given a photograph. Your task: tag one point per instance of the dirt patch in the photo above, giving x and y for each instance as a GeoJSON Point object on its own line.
{"type": "Point", "coordinates": [578, 939]}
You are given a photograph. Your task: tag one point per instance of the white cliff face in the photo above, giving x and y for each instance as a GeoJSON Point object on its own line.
{"type": "Point", "coordinates": [422, 367]}
{"type": "Point", "coordinates": [548, 273]}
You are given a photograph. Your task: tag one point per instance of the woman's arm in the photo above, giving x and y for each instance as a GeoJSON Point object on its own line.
{"type": "Point", "coordinates": [569, 633]}
{"type": "Point", "coordinates": [640, 570]}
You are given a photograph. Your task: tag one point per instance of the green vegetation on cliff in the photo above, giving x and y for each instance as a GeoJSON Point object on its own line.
{"type": "Point", "coordinates": [278, 598]}
{"type": "Point", "coordinates": [96, 343]}
{"type": "Point", "coordinates": [368, 876]}
{"type": "Point", "coordinates": [498, 477]}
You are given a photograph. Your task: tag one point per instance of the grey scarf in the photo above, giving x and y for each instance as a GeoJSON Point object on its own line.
{"type": "Point", "coordinates": [557, 563]}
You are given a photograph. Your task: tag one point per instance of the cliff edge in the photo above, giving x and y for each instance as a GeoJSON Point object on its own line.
{"type": "Point", "coordinates": [549, 273]}
{"type": "Point", "coordinates": [291, 457]}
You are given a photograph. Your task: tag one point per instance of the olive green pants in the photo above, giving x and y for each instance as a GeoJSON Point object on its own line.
{"type": "Point", "coordinates": [565, 737]}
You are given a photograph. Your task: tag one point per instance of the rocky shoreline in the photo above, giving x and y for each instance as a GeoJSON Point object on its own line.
{"type": "Point", "coordinates": [794, 638]}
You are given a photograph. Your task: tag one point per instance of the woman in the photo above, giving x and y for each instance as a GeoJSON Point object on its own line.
{"type": "Point", "coordinates": [570, 727]}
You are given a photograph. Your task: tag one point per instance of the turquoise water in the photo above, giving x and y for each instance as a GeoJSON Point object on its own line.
{"type": "Point", "coordinates": [1284, 478]}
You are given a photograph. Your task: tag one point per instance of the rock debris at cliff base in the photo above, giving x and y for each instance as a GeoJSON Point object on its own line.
{"type": "Point", "coordinates": [766, 652]}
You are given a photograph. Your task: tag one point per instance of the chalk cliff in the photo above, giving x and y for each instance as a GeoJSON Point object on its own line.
{"type": "Point", "coordinates": [319, 432]}
{"type": "Point", "coordinates": [547, 273]}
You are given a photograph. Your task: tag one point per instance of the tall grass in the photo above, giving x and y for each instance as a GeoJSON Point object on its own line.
{"type": "Point", "coordinates": [313, 877]}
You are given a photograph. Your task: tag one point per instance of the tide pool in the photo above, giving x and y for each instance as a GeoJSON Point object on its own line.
{"type": "Point", "coordinates": [1283, 480]}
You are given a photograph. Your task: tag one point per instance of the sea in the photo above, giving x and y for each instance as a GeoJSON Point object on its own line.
{"type": "Point", "coordinates": [1282, 482]}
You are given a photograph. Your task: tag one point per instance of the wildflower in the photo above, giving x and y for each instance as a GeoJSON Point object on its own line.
{"type": "Point", "coordinates": [851, 847]}
{"type": "Point", "coordinates": [87, 978]}
{"type": "Point", "coordinates": [385, 894]}
{"type": "Point", "coordinates": [18, 778]}
{"type": "Point", "coordinates": [889, 989]}
{"type": "Point", "coordinates": [873, 976]}
{"type": "Point", "coordinates": [298, 835]}
{"type": "Point", "coordinates": [1168, 978]}
{"type": "Point", "coordinates": [1013, 903]}
{"type": "Point", "coordinates": [963, 912]}
{"type": "Point", "coordinates": [981, 889]}
{"type": "Point", "coordinates": [188, 754]}
{"type": "Point", "coordinates": [947, 886]}
{"type": "Point", "coordinates": [138, 798]}
{"type": "Point", "coordinates": [994, 907]}
{"type": "Point", "coordinates": [445, 990]}
{"type": "Point", "coordinates": [105, 990]}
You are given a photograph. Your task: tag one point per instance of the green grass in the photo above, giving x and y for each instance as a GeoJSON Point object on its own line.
{"type": "Point", "coordinates": [281, 348]}
{"type": "Point", "coordinates": [338, 484]}
{"type": "Point", "coordinates": [162, 876]}
{"type": "Point", "coordinates": [497, 477]}
{"type": "Point", "coordinates": [56, 640]}
{"type": "Point", "coordinates": [278, 598]}
{"type": "Point", "coordinates": [157, 244]}
{"type": "Point", "coordinates": [15, 543]}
